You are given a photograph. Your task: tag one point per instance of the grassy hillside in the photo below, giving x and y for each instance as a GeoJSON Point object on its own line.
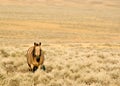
{"type": "Point", "coordinates": [81, 21]}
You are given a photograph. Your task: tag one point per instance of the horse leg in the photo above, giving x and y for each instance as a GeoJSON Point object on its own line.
{"type": "Point", "coordinates": [43, 67]}
{"type": "Point", "coordinates": [35, 68]}
{"type": "Point", "coordinates": [30, 67]}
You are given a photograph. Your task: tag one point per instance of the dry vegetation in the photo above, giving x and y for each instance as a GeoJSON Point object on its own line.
{"type": "Point", "coordinates": [81, 40]}
{"type": "Point", "coordinates": [79, 64]}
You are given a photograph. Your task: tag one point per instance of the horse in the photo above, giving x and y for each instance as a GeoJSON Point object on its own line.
{"type": "Point", "coordinates": [35, 57]}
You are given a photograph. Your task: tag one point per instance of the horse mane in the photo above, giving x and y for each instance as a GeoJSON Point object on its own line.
{"type": "Point", "coordinates": [33, 52]}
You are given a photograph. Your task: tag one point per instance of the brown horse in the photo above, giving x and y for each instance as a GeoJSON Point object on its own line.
{"type": "Point", "coordinates": [35, 57]}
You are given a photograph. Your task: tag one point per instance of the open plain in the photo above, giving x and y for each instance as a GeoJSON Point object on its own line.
{"type": "Point", "coordinates": [80, 38]}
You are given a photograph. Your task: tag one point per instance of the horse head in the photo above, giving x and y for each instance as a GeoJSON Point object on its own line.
{"type": "Point", "coordinates": [37, 51]}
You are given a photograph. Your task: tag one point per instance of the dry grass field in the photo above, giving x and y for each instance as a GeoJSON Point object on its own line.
{"type": "Point", "coordinates": [80, 38]}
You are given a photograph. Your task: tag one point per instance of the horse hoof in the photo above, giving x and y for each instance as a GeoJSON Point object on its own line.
{"type": "Point", "coordinates": [43, 67]}
{"type": "Point", "coordinates": [35, 68]}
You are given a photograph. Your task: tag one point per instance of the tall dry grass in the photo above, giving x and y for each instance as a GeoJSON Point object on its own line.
{"type": "Point", "coordinates": [83, 64]}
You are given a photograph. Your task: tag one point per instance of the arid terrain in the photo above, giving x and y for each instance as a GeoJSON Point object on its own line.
{"type": "Point", "coordinates": [80, 38]}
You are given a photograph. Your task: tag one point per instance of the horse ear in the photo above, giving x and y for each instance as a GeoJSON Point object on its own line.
{"type": "Point", "coordinates": [39, 43]}
{"type": "Point", "coordinates": [35, 43]}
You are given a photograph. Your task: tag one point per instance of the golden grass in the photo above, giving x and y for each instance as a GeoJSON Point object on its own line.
{"type": "Point", "coordinates": [66, 64]}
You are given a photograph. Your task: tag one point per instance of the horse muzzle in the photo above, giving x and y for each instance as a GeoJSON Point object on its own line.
{"type": "Point", "coordinates": [37, 58]}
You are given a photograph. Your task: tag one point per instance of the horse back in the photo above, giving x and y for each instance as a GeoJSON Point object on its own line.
{"type": "Point", "coordinates": [30, 55]}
